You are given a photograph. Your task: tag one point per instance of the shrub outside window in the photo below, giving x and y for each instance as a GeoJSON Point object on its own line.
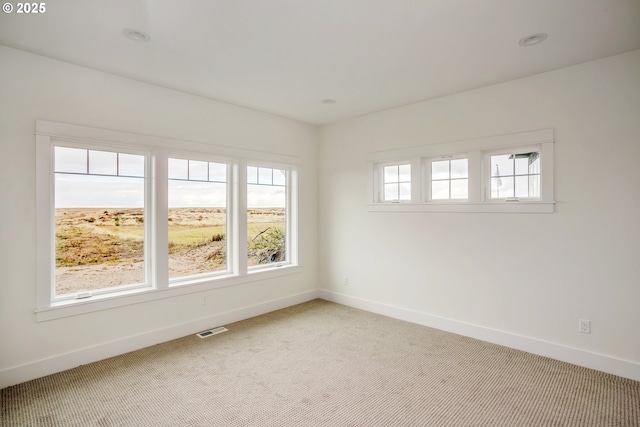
{"type": "Point", "coordinates": [267, 217]}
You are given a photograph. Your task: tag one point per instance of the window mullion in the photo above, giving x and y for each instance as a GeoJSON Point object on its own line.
{"type": "Point", "coordinates": [159, 211]}
{"type": "Point", "coordinates": [476, 176]}
{"type": "Point", "coordinates": [546, 171]}
{"type": "Point", "coordinates": [240, 218]}
{"type": "Point", "coordinates": [416, 181]}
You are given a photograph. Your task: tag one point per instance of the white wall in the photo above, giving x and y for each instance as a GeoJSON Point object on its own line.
{"type": "Point", "coordinates": [34, 87]}
{"type": "Point", "coordinates": [519, 279]}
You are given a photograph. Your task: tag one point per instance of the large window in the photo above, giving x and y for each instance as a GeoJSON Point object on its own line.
{"type": "Point", "coordinates": [99, 220]}
{"type": "Point", "coordinates": [266, 215]}
{"type": "Point", "coordinates": [122, 215]}
{"type": "Point", "coordinates": [197, 217]}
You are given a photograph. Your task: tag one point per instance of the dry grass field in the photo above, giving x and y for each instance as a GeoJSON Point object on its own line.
{"type": "Point", "coordinates": [104, 248]}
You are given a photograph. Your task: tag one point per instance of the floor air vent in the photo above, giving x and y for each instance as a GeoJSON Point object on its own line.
{"type": "Point", "coordinates": [211, 332]}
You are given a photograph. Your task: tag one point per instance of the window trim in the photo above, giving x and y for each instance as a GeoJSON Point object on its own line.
{"type": "Point", "coordinates": [475, 150]}
{"type": "Point", "coordinates": [230, 211]}
{"type": "Point", "coordinates": [49, 133]}
{"type": "Point", "coordinates": [291, 218]}
{"type": "Point", "coordinates": [487, 177]}
{"type": "Point", "coordinates": [428, 177]}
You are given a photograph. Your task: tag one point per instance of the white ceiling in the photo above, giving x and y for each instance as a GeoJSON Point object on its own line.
{"type": "Point", "coordinates": [286, 56]}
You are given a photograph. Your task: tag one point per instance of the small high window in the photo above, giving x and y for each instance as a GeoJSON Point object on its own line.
{"type": "Point", "coordinates": [449, 179]}
{"type": "Point", "coordinates": [515, 176]}
{"type": "Point", "coordinates": [504, 173]}
{"type": "Point", "coordinates": [396, 182]}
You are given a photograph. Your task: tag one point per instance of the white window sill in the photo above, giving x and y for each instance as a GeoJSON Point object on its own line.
{"type": "Point", "coordinates": [480, 207]}
{"type": "Point", "coordinates": [75, 307]}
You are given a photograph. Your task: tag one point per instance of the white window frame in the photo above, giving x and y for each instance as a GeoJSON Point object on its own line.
{"type": "Point", "coordinates": [428, 189]}
{"type": "Point", "coordinates": [230, 211]}
{"type": "Point", "coordinates": [487, 172]}
{"type": "Point", "coordinates": [158, 285]}
{"type": "Point", "coordinates": [377, 183]}
{"type": "Point", "coordinates": [477, 152]}
{"type": "Point", "coordinates": [291, 217]}
{"type": "Point", "coordinates": [148, 216]}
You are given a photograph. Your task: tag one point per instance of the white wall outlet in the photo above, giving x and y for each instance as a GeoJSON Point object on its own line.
{"type": "Point", "coordinates": [204, 300]}
{"type": "Point", "coordinates": [345, 281]}
{"type": "Point", "coordinates": [584, 326]}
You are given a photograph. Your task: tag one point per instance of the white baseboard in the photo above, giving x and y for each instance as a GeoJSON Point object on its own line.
{"type": "Point", "coordinates": [576, 356]}
{"type": "Point", "coordinates": [62, 362]}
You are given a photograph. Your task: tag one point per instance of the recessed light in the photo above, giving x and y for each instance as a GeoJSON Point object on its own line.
{"type": "Point", "coordinates": [136, 35]}
{"type": "Point", "coordinates": [532, 39]}
{"type": "Point", "coordinates": [329, 101]}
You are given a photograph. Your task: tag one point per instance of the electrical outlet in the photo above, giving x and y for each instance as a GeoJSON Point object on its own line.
{"type": "Point", "coordinates": [584, 326]}
{"type": "Point", "coordinates": [345, 281]}
{"type": "Point", "coordinates": [204, 300]}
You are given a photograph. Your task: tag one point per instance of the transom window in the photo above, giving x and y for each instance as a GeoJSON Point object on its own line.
{"type": "Point", "coordinates": [449, 179]}
{"type": "Point", "coordinates": [478, 175]}
{"type": "Point", "coordinates": [397, 182]}
{"type": "Point", "coordinates": [515, 175]}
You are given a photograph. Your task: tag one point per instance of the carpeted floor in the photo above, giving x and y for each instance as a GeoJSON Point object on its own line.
{"type": "Point", "coordinates": [323, 364]}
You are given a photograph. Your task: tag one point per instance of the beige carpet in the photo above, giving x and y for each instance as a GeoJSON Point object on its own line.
{"type": "Point", "coordinates": [323, 364]}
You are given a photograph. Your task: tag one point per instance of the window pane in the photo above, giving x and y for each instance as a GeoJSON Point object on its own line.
{"type": "Point", "coordinates": [131, 165]}
{"type": "Point", "coordinates": [391, 174]}
{"type": "Point", "coordinates": [265, 176]}
{"type": "Point", "coordinates": [198, 171]}
{"type": "Point", "coordinates": [178, 169]}
{"type": "Point", "coordinates": [522, 186]}
{"type": "Point", "coordinates": [217, 172]}
{"type": "Point", "coordinates": [71, 160]}
{"type": "Point", "coordinates": [534, 186]}
{"type": "Point", "coordinates": [252, 175]}
{"type": "Point", "coordinates": [440, 190]}
{"type": "Point", "coordinates": [405, 191]}
{"type": "Point", "coordinates": [390, 192]}
{"type": "Point", "coordinates": [502, 187]}
{"type": "Point", "coordinates": [266, 223]}
{"type": "Point", "coordinates": [404, 173]}
{"type": "Point", "coordinates": [197, 222]}
{"type": "Point", "coordinates": [522, 164]}
{"type": "Point", "coordinates": [460, 189]}
{"type": "Point", "coordinates": [103, 163]}
{"type": "Point", "coordinates": [459, 168]}
{"type": "Point", "coordinates": [99, 229]}
{"type": "Point", "coordinates": [501, 165]}
{"type": "Point", "coordinates": [440, 169]}
{"type": "Point", "coordinates": [279, 177]}
{"type": "Point", "coordinates": [534, 166]}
